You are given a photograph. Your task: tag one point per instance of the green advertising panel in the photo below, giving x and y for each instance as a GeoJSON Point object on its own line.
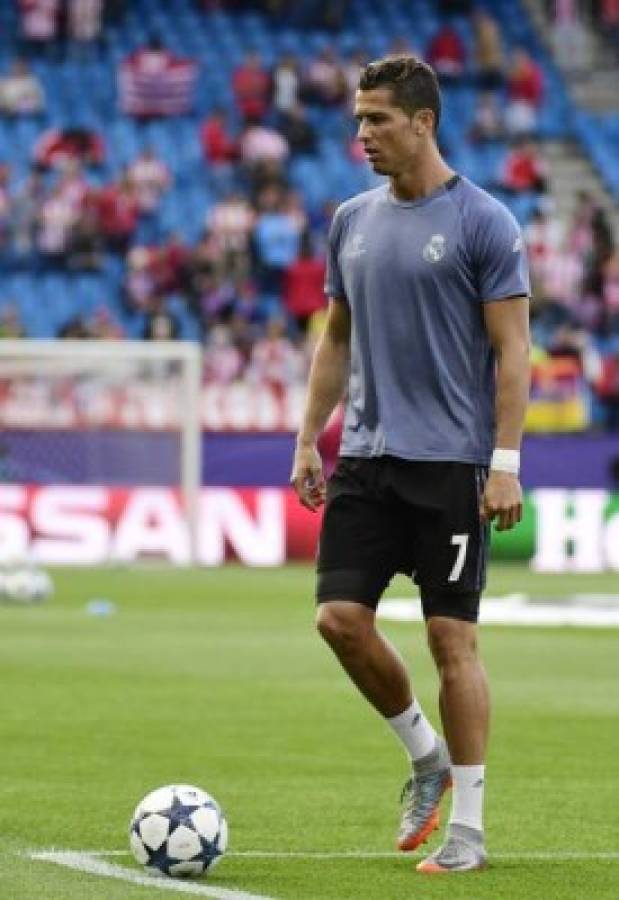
{"type": "Point", "coordinates": [592, 512]}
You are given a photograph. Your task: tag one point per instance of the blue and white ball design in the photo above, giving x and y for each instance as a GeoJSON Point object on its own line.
{"type": "Point", "coordinates": [178, 830]}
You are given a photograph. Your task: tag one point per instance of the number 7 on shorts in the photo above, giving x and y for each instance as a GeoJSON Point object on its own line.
{"type": "Point", "coordinates": [460, 541]}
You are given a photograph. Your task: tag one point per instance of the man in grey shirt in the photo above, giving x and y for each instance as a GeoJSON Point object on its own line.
{"type": "Point", "coordinates": [427, 333]}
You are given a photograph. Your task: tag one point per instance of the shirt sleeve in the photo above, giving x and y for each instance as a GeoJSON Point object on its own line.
{"type": "Point", "coordinates": [334, 283]}
{"type": "Point", "coordinates": [500, 256]}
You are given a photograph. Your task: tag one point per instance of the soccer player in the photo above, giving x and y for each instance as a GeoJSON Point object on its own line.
{"type": "Point", "coordinates": [427, 333]}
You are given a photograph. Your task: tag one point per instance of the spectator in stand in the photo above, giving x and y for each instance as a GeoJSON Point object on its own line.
{"type": "Point", "coordinates": [26, 204]}
{"type": "Point", "coordinates": [57, 219]}
{"type": "Point", "coordinates": [213, 299]}
{"type": "Point", "coordinates": [262, 144]}
{"type": "Point", "coordinates": [21, 93]}
{"type": "Point", "coordinates": [446, 54]}
{"type": "Point", "coordinates": [276, 242]}
{"type": "Point", "coordinates": [149, 177]}
{"type": "Point", "coordinates": [140, 282]}
{"type": "Point", "coordinates": [324, 81]}
{"type": "Point", "coordinates": [160, 324]}
{"type": "Point", "coordinates": [606, 384]}
{"type": "Point", "coordinates": [294, 207]}
{"type": "Point", "coordinates": [603, 244]}
{"type": "Point", "coordinates": [118, 214]}
{"type": "Point", "coordinates": [86, 245]}
{"type": "Point", "coordinates": [168, 265]}
{"type": "Point", "coordinates": [568, 35]}
{"type": "Point", "coordinates": [286, 84]}
{"type": "Point", "coordinates": [223, 361]}
{"type": "Point", "coordinates": [155, 270]}
{"type": "Point", "coordinates": [610, 294]}
{"type": "Point", "coordinates": [487, 120]}
{"type": "Point", "coordinates": [172, 264]}
{"type": "Point", "coordinates": [590, 235]}
{"type": "Point", "coordinates": [56, 146]}
{"type": "Point", "coordinates": [580, 230]}
{"type": "Point", "coordinates": [72, 183]}
{"type": "Point", "coordinates": [247, 307]}
{"type": "Point", "coordinates": [103, 326]}
{"type": "Point", "coordinates": [264, 175]}
{"type": "Point", "coordinates": [524, 170]}
{"type": "Point", "coordinates": [233, 219]}
{"type": "Point", "coordinates": [5, 206]}
{"type": "Point", "coordinates": [298, 131]}
{"type": "Point", "coordinates": [525, 90]}
{"type": "Point", "coordinates": [11, 327]}
{"type": "Point", "coordinates": [76, 329]}
{"type": "Point", "coordinates": [39, 21]}
{"type": "Point", "coordinates": [154, 82]}
{"type": "Point", "coordinates": [243, 333]}
{"type": "Point", "coordinates": [218, 145]}
{"type": "Point", "coordinates": [100, 326]}
{"type": "Point", "coordinates": [84, 19]}
{"type": "Point", "coordinates": [208, 255]}
{"type": "Point", "coordinates": [544, 237]}
{"type": "Point", "coordinates": [303, 286]}
{"type": "Point", "coordinates": [489, 57]}
{"type": "Point", "coordinates": [275, 362]}
{"type": "Point", "coordinates": [251, 84]}
{"type": "Point", "coordinates": [609, 22]}
{"type": "Point", "coordinates": [560, 286]}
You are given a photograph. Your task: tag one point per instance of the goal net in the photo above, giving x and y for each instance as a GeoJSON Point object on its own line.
{"type": "Point", "coordinates": [100, 451]}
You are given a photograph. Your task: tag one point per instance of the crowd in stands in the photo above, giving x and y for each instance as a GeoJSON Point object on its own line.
{"type": "Point", "coordinates": [569, 20]}
{"type": "Point", "coordinates": [253, 280]}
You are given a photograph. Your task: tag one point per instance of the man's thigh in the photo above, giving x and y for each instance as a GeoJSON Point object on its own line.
{"type": "Point", "coordinates": [360, 538]}
{"type": "Point", "coordinates": [451, 546]}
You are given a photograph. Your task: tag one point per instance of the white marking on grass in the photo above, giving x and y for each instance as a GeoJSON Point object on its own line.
{"type": "Point", "coordinates": [533, 855]}
{"type": "Point", "coordinates": [354, 854]}
{"type": "Point", "coordinates": [581, 610]}
{"type": "Point", "coordinates": [89, 863]}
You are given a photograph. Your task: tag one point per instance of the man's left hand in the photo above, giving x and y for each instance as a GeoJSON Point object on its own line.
{"type": "Point", "coordinates": [502, 500]}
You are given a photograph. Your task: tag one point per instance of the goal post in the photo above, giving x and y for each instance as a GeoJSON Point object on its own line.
{"type": "Point", "coordinates": [103, 413]}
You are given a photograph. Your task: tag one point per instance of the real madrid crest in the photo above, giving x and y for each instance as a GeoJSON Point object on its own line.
{"type": "Point", "coordinates": [434, 250]}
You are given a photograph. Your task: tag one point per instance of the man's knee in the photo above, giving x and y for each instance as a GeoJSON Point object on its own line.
{"type": "Point", "coordinates": [451, 641]}
{"type": "Point", "coordinates": [343, 624]}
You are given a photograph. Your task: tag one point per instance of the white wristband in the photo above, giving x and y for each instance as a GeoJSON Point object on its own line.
{"type": "Point", "coordinates": [504, 460]}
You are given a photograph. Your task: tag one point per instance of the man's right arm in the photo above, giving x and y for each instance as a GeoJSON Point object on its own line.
{"type": "Point", "coordinates": [327, 383]}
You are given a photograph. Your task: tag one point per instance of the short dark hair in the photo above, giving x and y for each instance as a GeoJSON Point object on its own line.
{"type": "Point", "coordinates": [413, 83]}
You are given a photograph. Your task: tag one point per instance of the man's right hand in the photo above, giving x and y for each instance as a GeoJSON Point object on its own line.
{"type": "Point", "coordinates": [307, 476]}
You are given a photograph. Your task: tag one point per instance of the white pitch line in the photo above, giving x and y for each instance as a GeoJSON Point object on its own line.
{"type": "Point", "coordinates": [87, 862]}
{"type": "Point", "coordinates": [559, 855]}
{"type": "Point", "coordinates": [533, 855]}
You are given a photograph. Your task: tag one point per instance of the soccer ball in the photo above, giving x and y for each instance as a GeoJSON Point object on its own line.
{"type": "Point", "coordinates": [26, 585]}
{"type": "Point", "coordinates": [178, 830]}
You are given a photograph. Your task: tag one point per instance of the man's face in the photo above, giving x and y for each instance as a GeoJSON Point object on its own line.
{"type": "Point", "coordinates": [390, 138]}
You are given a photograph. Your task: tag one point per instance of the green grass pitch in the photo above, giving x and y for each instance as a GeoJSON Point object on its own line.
{"type": "Point", "coordinates": [217, 678]}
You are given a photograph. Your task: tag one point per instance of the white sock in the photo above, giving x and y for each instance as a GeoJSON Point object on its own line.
{"type": "Point", "coordinates": [468, 796]}
{"type": "Point", "coordinates": [415, 732]}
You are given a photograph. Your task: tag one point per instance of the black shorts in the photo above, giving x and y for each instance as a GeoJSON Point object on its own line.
{"type": "Point", "coordinates": [386, 515]}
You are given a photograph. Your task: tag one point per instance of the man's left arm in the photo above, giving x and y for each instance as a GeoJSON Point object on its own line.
{"type": "Point", "coordinates": [507, 325]}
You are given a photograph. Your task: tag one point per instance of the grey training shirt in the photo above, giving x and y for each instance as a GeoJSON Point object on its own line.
{"type": "Point", "coordinates": [415, 275]}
